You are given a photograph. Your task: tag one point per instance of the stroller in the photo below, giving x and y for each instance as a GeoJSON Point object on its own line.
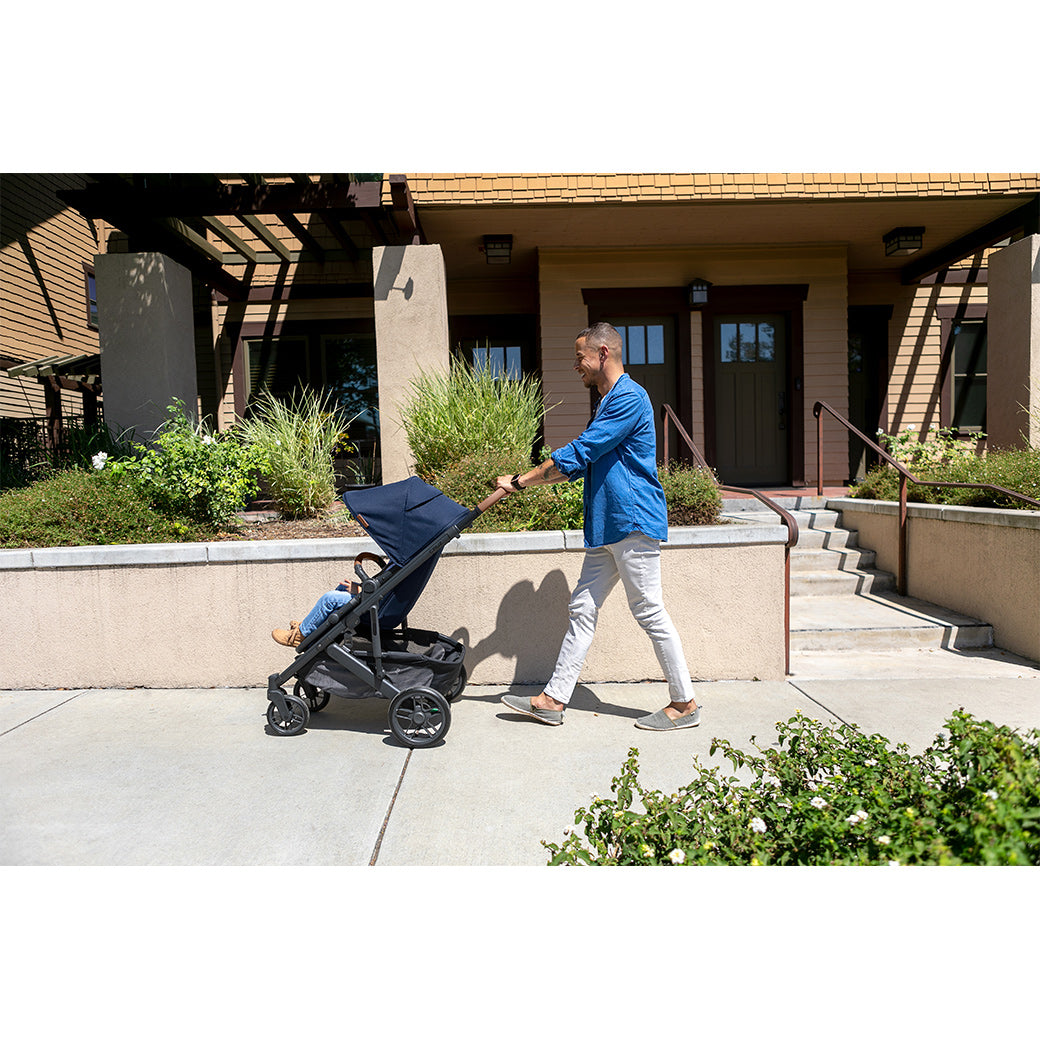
{"type": "Point", "coordinates": [366, 648]}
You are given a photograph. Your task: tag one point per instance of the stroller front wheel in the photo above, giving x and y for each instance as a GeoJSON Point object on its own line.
{"type": "Point", "coordinates": [298, 718]}
{"type": "Point", "coordinates": [419, 717]}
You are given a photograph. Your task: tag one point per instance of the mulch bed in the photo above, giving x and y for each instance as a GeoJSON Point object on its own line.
{"type": "Point", "coordinates": [267, 524]}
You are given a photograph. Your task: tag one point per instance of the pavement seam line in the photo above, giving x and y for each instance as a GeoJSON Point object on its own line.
{"type": "Point", "coordinates": [40, 716]}
{"type": "Point", "coordinates": [820, 703]}
{"type": "Point", "coordinates": [390, 809]}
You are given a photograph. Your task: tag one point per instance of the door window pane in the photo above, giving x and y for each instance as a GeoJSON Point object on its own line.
{"type": "Point", "coordinates": [655, 344]}
{"type": "Point", "coordinates": [747, 341]}
{"type": "Point", "coordinates": [728, 342]}
{"type": "Point", "coordinates": [766, 341]}
{"type": "Point", "coordinates": [500, 361]}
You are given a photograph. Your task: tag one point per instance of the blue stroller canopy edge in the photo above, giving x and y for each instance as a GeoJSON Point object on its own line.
{"type": "Point", "coordinates": [405, 516]}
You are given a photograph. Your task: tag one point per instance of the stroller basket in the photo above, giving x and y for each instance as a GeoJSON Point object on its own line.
{"type": "Point", "coordinates": [409, 659]}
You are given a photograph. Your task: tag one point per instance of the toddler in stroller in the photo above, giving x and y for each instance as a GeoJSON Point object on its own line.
{"type": "Point", "coordinates": [356, 641]}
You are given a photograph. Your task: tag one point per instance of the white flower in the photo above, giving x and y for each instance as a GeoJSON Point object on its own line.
{"type": "Point", "coordinates": [818, 803]}
{"type": "Point", "coordinates": [911, 427]}
{"type": "Point", "coordinates": [207, 439]}
{"type": "Point", "coordinates": [870, 762]}
{"type": "Point", "coordinates": [884, 839]}
{"type": "Point", "coordinates": [677, 856]}
{"type": "Point", "coordinates": [862, 815]}
{"type": "Point", "coordinates": [567, 832]}
{"type": "Point", "coordinates": [99, 460]}
{"type": "Point", "coordinates": [991, 794]}
{"type": "Point", "coordinates": [646, 851]}
{"type": "Point", "coordinates": [757, 825]}
{"type": "Point", "coordinates": [893, 863]}
{"type": "Point", "coordinates": [853, 819]}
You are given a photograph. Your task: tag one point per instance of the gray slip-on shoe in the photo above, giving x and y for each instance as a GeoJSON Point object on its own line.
{"type": "Point", "coordinates": [523, 705]}
{"type": "Point", "coordinates": [659, 721]}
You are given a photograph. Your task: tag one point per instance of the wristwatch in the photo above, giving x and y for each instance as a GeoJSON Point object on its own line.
{"type": "Point", "coordinates": [516, 482]}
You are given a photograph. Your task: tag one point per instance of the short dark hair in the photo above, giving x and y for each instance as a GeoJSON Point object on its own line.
{"type": "Point", "coordinates": [602, 333]}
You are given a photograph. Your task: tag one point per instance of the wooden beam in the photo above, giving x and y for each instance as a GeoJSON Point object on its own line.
{"type": "Point", "coordinates": [193, 238]}
{"type": "Point", "coordinates": [306, 238]}
{"type": "Point", "coordinates": [1025, 217]}
{"type": "Point", "coordinates": [265, 234]}
{"type": "Point", "coordinates": [240, 247]}
{"type": "Point", "coordinates": [404, 209]}
{"type": "Point", "coordinates": [331, 221]}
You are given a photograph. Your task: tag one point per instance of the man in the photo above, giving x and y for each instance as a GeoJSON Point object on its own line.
{"type": "Point", "coordinates": [625, 521]}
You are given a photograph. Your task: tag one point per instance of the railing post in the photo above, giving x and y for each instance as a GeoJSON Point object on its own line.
{"type": "Point", "coordinates": [819, 451]}
{"type": "Point", "coordinates": [787, 609]}
{"type": "Point", "coordinates": [901, 565]}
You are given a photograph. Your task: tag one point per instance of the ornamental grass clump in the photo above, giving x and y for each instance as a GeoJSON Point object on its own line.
{"type": "Point", "coordinates": [829, 795]}
{"type": "Point", "coordinates": [471, 412]}
{"type": "Point", "coordinates": [298, 439]}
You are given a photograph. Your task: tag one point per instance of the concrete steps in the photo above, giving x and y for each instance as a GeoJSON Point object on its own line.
{"type": "Point", "coordinates": [841, 602]}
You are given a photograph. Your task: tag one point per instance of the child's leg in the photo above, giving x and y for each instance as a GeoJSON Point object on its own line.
{"type": "Point", "coordinates": [328, 603]}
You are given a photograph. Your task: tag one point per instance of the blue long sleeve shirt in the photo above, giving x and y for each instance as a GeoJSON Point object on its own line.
{"type": "Point", "coordinates": [617, 456]}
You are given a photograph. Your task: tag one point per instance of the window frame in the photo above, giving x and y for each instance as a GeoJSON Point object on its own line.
{"type": "Point", "coordinates": [949, 316]}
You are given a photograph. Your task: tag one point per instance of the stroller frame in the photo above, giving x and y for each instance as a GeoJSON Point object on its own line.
{"type": "Point", "coordinates": [418, 716]}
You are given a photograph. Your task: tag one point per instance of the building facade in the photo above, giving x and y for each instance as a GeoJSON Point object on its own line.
{"type": "Point", "coordinates": [898, 299]}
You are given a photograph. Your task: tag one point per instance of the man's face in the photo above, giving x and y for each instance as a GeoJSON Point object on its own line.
{"type": "Point", "coordinates": [587, 362]}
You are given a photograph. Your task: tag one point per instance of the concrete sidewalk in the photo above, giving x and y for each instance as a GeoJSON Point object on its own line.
{"type": "Point", "coordinates": [191, 777]}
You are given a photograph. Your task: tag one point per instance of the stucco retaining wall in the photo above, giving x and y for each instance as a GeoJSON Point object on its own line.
{"type": "Point", "coordinates": [982, 562]}
{"type": "Point", "coordinates": [200, 615]}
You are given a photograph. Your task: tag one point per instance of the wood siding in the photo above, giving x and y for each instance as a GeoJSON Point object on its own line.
{"type": "Point", "coordinates": [43, 246]}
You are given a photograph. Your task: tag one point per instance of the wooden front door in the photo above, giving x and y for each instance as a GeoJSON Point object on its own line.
{"type": "Point", "coordinates": [752, 413]}
{"type": "Point", "coordinates": [650, 359]}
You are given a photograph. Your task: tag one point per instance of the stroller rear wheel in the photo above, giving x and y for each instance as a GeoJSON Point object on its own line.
{"type": "Point", "coordinates": [316, 699]}
{"type": "Point", "coordinates": [419, 717]}
{"type": "Point", "coordinates": [299, 716]}
{"type": "Point", "coordinates": [458, 686]}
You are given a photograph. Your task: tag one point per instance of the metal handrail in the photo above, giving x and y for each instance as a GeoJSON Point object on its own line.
{"type": "Point", "coordinates": [668, 418]}
{"type": "Point", "coordinates": [904, 476]}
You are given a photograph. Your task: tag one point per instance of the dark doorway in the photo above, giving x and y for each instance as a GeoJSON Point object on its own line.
{"type": "Point", "coordinates": [868, 372]}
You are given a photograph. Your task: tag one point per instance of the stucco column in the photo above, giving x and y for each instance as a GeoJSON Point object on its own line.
{"type": "Point", "coordinates": [1013, 334]}
{"type": "Point", "coordinates": [411, 309]}
{"type": "Point", "coordinates": [147, 337]}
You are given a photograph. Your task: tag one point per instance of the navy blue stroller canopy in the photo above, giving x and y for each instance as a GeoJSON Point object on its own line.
{"type": "Point", "coordinates": [404, 518]}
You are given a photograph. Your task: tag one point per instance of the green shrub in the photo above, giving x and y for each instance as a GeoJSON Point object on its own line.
{"type": "Point", "coordinates": [692, 495]}
{"type": "Point", "coordinates": [830, 795]}
{"type": "Point", "coordinates": [190, 472]}
{"type": "Point", "coordinates": [77, 507]}
{"type": "Point", "coordinates": [299, 440]}
{"type": "Point", "coordinates": [471, 413]}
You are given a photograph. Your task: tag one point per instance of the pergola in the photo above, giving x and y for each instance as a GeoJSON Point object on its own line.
{"type": "Point", "coordinates": [259, 219]}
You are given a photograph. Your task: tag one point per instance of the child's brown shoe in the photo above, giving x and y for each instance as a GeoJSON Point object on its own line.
{"type": "Point", "coordinates": [291, 637]}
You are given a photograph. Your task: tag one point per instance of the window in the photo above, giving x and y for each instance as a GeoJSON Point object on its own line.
{"type": "Point", "coordinates": [90, 292]}
{"type": "Point", "coordinates": [747, 341]}
{"type": "Point", "coordinates": [969, 376]}
{"type": "Point", "coordinates": [499, 360]}
{"type": "Point", "coordinates": [642, 344]}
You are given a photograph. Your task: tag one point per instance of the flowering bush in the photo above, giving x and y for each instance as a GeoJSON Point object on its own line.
{"type": "Point", "coordinates": [191, 472]}
{"type": "Point", "coordinates": [946, 446]}
{"type": "Point", "coordinates": [829, 795]}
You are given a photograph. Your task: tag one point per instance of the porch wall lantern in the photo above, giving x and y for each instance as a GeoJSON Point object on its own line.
{"type": "Point", "coordinates": [902, 241]}
{"type": "Point", "coordinates": [697, 292]}
{"type": "Point", "coordinates": [497, 248]}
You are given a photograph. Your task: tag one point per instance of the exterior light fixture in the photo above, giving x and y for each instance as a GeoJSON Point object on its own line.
{"type": "Point", "coordinates": [497, 248]}
{"type": "Point", "coordinates": [697, 292]}
{"type": "Point", "coordinates": [902, 241]}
